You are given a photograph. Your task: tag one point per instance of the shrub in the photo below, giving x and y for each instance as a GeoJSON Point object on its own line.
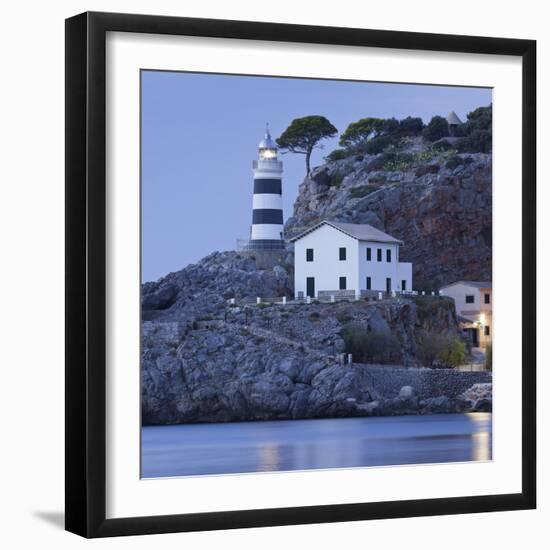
{"type": "Point", "coordinates": [442, 145]}
{"type": "Point", "coordinates": [480, 119]}
{"type": "Point", "coordinates": [479, 141]}
{"type": "Point", "coordinates": [343, 317]}
{"type": "Point", "coordinates": [453, 352]}
{"type": "Point", "coordinates": [377, 145]}
{"type": "Point", "coordinates": [379, 162]}
{"type": "Point", "coordinates": [335, 179]}
{"type": "Point", "coordinates": [456, 160]}
{"type": "Point", "coordinates": [390, 126]}
{"type": "Point", "coordinates": [410, 126]}
{"type": "Point", "coordinates": [436, 129]}
{"type": "Point", "coordinates": [363, 191]}
{"type": "Point", "coordinates": [371, 347]}
{"type": "Point", "coordinates": [460, 131]}
{"type": "Point", "coordinates": [361, 131]}
{"type": "Point", "coordinates": [399, 162]}
{"type": "Point", "coordinates": [338, 154]}
{"type": "Point", "coordinates": [448, 350]}
{"type": "Point", "coordinates": [429, 154]}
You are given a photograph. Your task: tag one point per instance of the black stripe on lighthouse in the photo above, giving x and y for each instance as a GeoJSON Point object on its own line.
{"type": "Point", "coordinates": [267, 215]}
{"type": "Point", "coordinates": [271, 186]}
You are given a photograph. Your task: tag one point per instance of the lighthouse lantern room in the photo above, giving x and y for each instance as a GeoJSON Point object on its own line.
{"type": "Point", "coordinates": [266, 232]}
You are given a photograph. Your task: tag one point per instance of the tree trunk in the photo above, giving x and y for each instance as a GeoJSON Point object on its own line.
{"type": "Point", "coordinates": [308, 168]}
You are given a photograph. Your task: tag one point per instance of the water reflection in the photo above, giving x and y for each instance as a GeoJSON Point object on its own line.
{"type": "Point", "coordinates": [269, 458]}
{"type": "Point", "coordinates": [204, 449]}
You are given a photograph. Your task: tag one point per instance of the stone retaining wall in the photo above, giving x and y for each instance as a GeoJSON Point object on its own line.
{"type": "Point", "coordinates": [388, 380]}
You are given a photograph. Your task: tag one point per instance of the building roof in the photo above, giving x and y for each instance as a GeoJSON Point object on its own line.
{"type": "Point", "coordinates": [453, 119]}
{"type": "Point", "coordinates": [267, 142]}
{"type": "Point", "coordinates": [476, 284]}
{"type": "Point", "coordinates": [359, 231]}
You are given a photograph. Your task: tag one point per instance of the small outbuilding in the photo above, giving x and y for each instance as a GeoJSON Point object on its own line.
{"type": "Point", "coordinates": [347, 259]}
{"type": "Point", "coordinates": [474, 305]}
{"type": "Point", "coordinates": [453, 121]}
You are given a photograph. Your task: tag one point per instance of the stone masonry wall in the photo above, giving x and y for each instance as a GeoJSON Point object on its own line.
{"type": "Point", "coordinates": [387, 381]}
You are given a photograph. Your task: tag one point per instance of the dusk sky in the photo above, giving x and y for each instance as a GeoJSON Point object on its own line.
{"type": "Point", "coordinates": [200, 135]}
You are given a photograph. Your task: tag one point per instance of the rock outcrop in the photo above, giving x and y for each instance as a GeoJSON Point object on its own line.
{"type": "Point", "coordinates": [202, 288]}
{"type": "Point", "coordinates": [478, 398]}
{"type": "Point", "coordinates": [205, 359]}
{"type": "Point", "coordinates": [441, 208]}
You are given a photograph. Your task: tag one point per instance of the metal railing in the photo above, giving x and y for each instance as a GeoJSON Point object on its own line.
{"type": "Point", "coordinates": [267, 165]}
{"type": "Point", "coordinates": [246, 245]}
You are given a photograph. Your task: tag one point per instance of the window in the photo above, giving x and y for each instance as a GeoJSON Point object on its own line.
{"type": "Point", "coordinates": [342, 253]}
{"type": "Point", "coordinates": [388, 255]}
{"type": "Point", "coordinates": [469, 298]}
{"type": "Point", "coordinates": [309, 254]}
{"type": "Point", "coordinates": [369, 250]}
{"type": "Point", "coordinates": [487, 298]}
{"type": "Point", "coordinates": [378, 254]}
{"type": "Point", "coordinates": [403, 285]}
{"type": "Point", "coordinates": [388, 285]}
{"type": "Point", "coordinates": [487, 331]}
{"type": "Point", "coordinates": [343, 282]}
{"type": "Point", "coordinates": [369, 283]}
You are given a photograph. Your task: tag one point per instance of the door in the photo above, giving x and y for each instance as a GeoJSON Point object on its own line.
{"type": "Point", "coordinates": [388, 285]}
{"type": "Point", "coordinates": [310, 286]}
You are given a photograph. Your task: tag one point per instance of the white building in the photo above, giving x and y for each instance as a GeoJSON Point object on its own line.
{"type": "Point", "coordinates": [334, 258]}
{"type": "Point", "coordinates": [474, 304]}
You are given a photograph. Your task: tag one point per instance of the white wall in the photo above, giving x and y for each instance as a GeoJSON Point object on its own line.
{"type": "Point", "coordinates": [405, 272]}
{"type": "Point", "coordinates": [326, 267]}
{"type": "Point", "coordinates": [31, 233]}
{"type": "Point", "coordinates": [459, 292]}
{"type": "Point", "coordinates": [477, 311]}
{"type": "Point", "coordinates": [379, 271]}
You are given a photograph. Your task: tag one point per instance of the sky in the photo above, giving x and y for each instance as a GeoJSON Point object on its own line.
{"type": "Point", "coordinates": [200, 133]}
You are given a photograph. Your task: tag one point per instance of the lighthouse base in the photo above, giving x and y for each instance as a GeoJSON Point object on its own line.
{"type": "Point", "coordinates": [266, 258]}
{"type": "Point", "coordinates": [261, 244]}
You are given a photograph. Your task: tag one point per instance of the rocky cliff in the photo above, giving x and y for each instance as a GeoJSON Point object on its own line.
{"type": "Point", "coordinates": [203, 288]}
{"type": "Point", "coordinates": [205, 359]}
{"type": "Point", "coordinates": [437, 202]}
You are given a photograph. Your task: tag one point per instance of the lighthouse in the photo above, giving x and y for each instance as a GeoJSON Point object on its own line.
{"type": "Point", "coordinates": [266, 232]}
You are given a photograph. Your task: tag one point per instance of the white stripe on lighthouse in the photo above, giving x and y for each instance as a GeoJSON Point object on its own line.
{"type": "Point", "coordinates": [266, 231]}
{"type": "Point", "coordinates": [265, 200]}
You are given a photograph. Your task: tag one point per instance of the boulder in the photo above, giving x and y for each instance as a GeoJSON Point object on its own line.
{"type": "Point", "coordinates": [407, 392]}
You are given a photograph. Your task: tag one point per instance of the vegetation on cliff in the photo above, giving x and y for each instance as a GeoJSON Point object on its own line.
{"type": "Point", "coordinates": [436, 199]}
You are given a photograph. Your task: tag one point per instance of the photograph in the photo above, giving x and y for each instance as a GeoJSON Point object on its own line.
{"type": "Point", "coordinates": [316, 267]}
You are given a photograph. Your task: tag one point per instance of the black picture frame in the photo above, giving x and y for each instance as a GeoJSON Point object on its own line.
{"type": "Point", "coordinates": [86, 267]}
